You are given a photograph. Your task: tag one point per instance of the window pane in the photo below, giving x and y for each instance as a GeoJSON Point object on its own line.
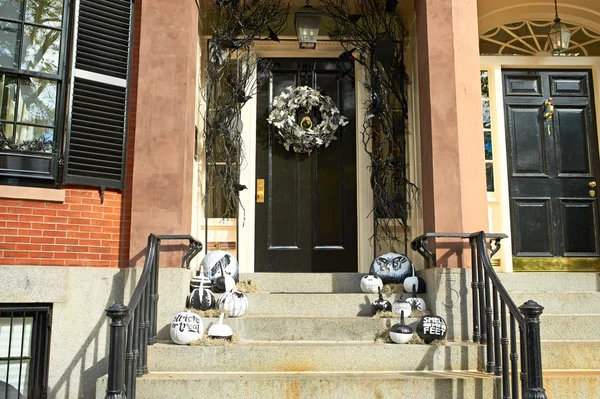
{"type": "Point", "coordinates": [13, 378]}
{"type": "Point", "coordinates": [489, 176]}
{"type": "Point", "coordinates": [485, 89]}
{"type": "Point", "coordinates": [33, 138]}
{"type": "Point", "coordinates": [7, 131]}
{"type": "Point", "coordinates": [41, 49]}
{"type": "Point", "coordinates": [487, 140]}
{"type": "Point", "coordinates": [11, 9]}
{"type": "Point", "coordinates": [37, 101]}
{"type": "Point", "coordinates": [9, 44]}
{"type": "Point", "coordinates": [485, 106]}
{"type": "Point", "coordinates": [8, 97]}
{"type": "Point", "coordinates": [44, 12]}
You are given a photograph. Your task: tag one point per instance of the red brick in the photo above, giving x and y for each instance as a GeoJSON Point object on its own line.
{"type": "Point", "coordinates": [41, 255]}
{"type": "Point", "coordinates": [85, 208]}
{"type": "Point", "coordinates": [65, 255]}
{"type": "Point", "coordinates": [100, 236]}
{"type": "Point", "coordinates": [31, 218]}
{"type": "Point", "coordinates": [30, 233]}
{"type": "Point", "coordinates": [68, 241]}
{"type": "Point", "coordinates": [90, 242]}
{"type": "Point", "coordinates": [29, 247]}
{"type": "Point", "coordinates": [55, 219]}
{"type": "Point", "coordinates": [76, 234]}
{"type": "Point", "coordinates": [54, 233]}
{"type": "Point", "coordinates": [79, 221]}
{"type": "Point", "coordinates": [92, 229]}
{"type": "Point", "coordinates": [34, 204]}
{"type": "Point", "coordinates": [74, 262]}
{"type": "Point", "coordinates": [9, 216]}
{"type": "Point", "coordinates": [52, 205]}
{"type": "Point", "coordinates": [72, 200]}
{"type": "Point", "coordinates": [42, 240]}
{"type": "Point", "coordinates": [44, 212]}
{"type": "Point", "coordinates": [100, 250]}
{"type": "Point", "coordinates": [68, 213]}
{"type": "Point", "coordinates": [6, 202]}
{"type": "Point", "coordinates": [2, 209]}
{"type": "Point", "coordinates": [18, 239]}
{"type": "Point", "coordinates": [68, 227]}
{"type": "Point", "coordinates": [77, 248]}
{"type": "Point", "coordinates": [16, 254]}
{"type": "Point", "coordinates": [109, 257]}
{"type": "Point", "coordinates": [43, 226]}
{"type": "Point", "coordinates": [28, 262]}
{"type": "Point", "coordinates": [88, 256]}
{"type": "Point", "coordinates": [52, 262]}
{"type": "Point", "coordinates": [21, 211]}
{"type": "Point", "coordinates": [18, 225]}
{"type": "Point", "coordinates": [8, 247]}
{"type": "Point", "coordinates": [54, 248]}
{"type": "Point", "coordinates": [89, 201]}
{"type": "Point", "coordinates": [98, 263]}
{"type": "Point", "coordinates": [7, 261]}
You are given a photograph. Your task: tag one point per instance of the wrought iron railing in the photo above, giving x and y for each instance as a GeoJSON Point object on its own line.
{"type": "Point", "coordinates": [133, 327]}
{"type": "Point", "coordinates": [496, 318]}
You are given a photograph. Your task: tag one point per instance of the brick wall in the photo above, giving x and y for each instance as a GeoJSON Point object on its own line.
{"type": "Point", "coordinates": [79, 232]}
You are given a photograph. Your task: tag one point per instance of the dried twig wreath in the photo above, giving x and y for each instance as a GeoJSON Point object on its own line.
{"type": "Point", "coordinates": [304, 137]}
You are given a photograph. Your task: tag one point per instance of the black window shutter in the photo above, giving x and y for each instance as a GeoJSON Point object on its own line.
{"type": "Point", "coordinates": [97, 118]}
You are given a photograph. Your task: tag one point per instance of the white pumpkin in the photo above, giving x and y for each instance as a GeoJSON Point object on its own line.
{"type": "Point", "coordinates": [410, 281]}
{"type": "Point", "coordinates": [186, 327]}
{"type": "Point", "coordinates": [213, 262]}
{"type": "Point", "coordinates": [220, 330]}
{"type": "Point", "coordinates": [234, 303]}
{"type": "Point", "coordinates": [371, 284]}
{"type": "Point", "coordinates": [401, 306]}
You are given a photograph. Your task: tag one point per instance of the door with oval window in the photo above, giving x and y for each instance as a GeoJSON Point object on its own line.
{"type": "Point", "coordinates": [553, 167]}
{"type": "Point", "coordinates": [306, 218]}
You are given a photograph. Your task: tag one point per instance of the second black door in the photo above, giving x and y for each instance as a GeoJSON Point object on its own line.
{"type": "Point", "coordinates": [307, 222]}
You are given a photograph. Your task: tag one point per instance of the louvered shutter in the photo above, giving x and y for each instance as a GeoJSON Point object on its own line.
{"type": "Point", "coordinates": [97, 119]}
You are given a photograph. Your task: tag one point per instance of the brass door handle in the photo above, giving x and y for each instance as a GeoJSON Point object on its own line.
{"type": "Point", "coordinates": [260, 190]}
{"type": "Point", "coordinates": [592, 184]}
{"type": "Point", "coordinates": [550, 107]}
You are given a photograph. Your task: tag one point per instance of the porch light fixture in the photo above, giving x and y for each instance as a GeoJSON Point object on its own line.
{"type": "Point", "coordinates": [559, 35]}
{"type": "Point", "coordinates": [307, 21]}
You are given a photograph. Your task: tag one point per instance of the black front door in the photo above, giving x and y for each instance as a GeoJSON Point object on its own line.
{"type": "Point", "coordinates": [552, 163]}
{"type": "Point", "coordinates": [307, 222]}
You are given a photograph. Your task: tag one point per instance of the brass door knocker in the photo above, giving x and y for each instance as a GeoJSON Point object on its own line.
{"type": "Point", "coordinates": [550, 107]}
{"type": "Point", "coordinates": [306, 123]}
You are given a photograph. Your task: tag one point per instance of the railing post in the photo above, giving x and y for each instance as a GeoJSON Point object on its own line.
{"type": "Point", "coordinates": [532, 311]}
{"type": "Point", "coordinates": [115, 388]}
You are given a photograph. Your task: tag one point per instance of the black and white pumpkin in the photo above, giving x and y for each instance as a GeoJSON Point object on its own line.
{"type": "Point", "coordinates": [213, 262]}
{"type": "Point", "coordinates": [431, 328]}
{"type": "Point", "coordinates": [234, 303]}
{"type": "Point", "coordinates": [381, 305]}
{"type": "Point", "coordinates": [224, 282]}
{"type": "Point", "coordinates": [186, 327]}
{"type": "Point", "coordinates": [400, 333]}
{"type": "Point", "coordinates": [201, 299]}
{"type": "Point", "coordinates": [220, 330]}
{"type": "Point", "coordinates": [392, 268]}
{"type": "Point", "coordinates": [400, 306]}
{"type": "Point", "coordinates": [370, 284]}
{"type": "Point", "coordinates": [410, 281]}
{"type": "Point", "coordinates": [415, 302]}
{"type": "Point", "coordinates": [198, 280]}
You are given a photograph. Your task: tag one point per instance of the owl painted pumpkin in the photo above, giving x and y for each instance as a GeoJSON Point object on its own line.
{"type": "Point", "coordinates": [215, 260]}
{"type": "Point", "coordinates": [234, 303]}
{"type": "Point", "coordinates": [370, 284]}
{"type": "Point", "coordinates": [392, 268]}
{"type": "Point", "coordinates": [186, 327]}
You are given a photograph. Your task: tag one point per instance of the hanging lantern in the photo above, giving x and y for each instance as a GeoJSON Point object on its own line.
{"type": "Point", "coordinates": [307, 21]}
{"type": "Point", "coordinates": [559, 35]}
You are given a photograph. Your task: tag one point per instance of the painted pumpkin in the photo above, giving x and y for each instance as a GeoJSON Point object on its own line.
{"type": "Point", "coordinates": [392, 268]}
{"type": "Point", "coordinates": [431, 328]}
{"type": "Point", "coordinates": [186, 327]}
{"type": "Point", "coordinates": [410, 281]}
{"type": "Point", "coordinates": [400, 333]}
{"type": "Point", "coordinates": [234, 303]}
{"type": "Point", "coordinates": [415, 302]}
{"type": "Point", "coordinates": [220, 330]}
{"type": "Point", "coordinates": [201, 299]}
{"type": "Point", "coordinates": [381, 305]}
{"type": "Point", "coordinates": [401, 306]}
{"type": "Point", "coordinates": [224, 282]}
{"type": "Point", "coordinates": [213, 261]}
{"type": "Point", "coordinates": [370, 284]}
{"type": "Point", "coordinates": [198, 280]}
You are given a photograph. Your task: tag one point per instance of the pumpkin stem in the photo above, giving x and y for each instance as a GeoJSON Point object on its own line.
{"type": "Point", "coordinates": [402, 317]}
{"type": "Point", "coordinates": [221, 318]}
{"type": "Point", "coordinates": [414, 291]}
{"type": "Point", "coordinates": [380, 295]}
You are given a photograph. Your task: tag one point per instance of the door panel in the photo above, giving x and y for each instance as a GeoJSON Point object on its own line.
{"type": "Point", "coordinates": [552, 162]}
{"type": "Point", "coordinates": [308, 220]}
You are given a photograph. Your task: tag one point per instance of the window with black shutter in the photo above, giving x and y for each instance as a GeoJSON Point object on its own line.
{"type": "Point", "coordinates": [97, 117]}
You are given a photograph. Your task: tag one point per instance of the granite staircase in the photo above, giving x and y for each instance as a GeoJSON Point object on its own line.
{"type": "Point", "coordinates": [312, 336]}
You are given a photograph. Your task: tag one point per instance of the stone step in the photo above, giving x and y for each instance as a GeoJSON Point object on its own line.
{"type": "Point", "coordinates": [409, 385]}
{"type": "Point", "coordinates": [306, 282]}
{"type": "Point", "coordinates": [572, 384]}
{"type": "Point", "coordinates": [316, 304]}
{"type": "Point", "coordinates": [573, 327]}
{"type": "Point", "coordinates": [313, 357]}
{"type": "Point", "coordinates": [568, 302]}
{"type": "Point", "coordinates": [304, 328]}
{"type": "Point", "coordinates": [550, 281]}
{"type": "Point", "coordinates": [571, 355]}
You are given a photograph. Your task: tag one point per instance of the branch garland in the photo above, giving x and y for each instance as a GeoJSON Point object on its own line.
{"type": "Point", "coordinates": [375, 37]}
{"type": "Point", "coordinates": [300, 138]}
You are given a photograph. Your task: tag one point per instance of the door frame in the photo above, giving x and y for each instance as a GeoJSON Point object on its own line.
{"type": "Point", "coordinates": [364, 197]}
{"type": "Point", "coordinates": [498, 201]}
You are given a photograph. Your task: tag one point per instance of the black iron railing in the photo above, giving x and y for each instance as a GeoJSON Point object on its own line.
{"type": "Point", "coordinates": [133, 327]}
{"type": "Point", "coordinates": [511, 334]}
